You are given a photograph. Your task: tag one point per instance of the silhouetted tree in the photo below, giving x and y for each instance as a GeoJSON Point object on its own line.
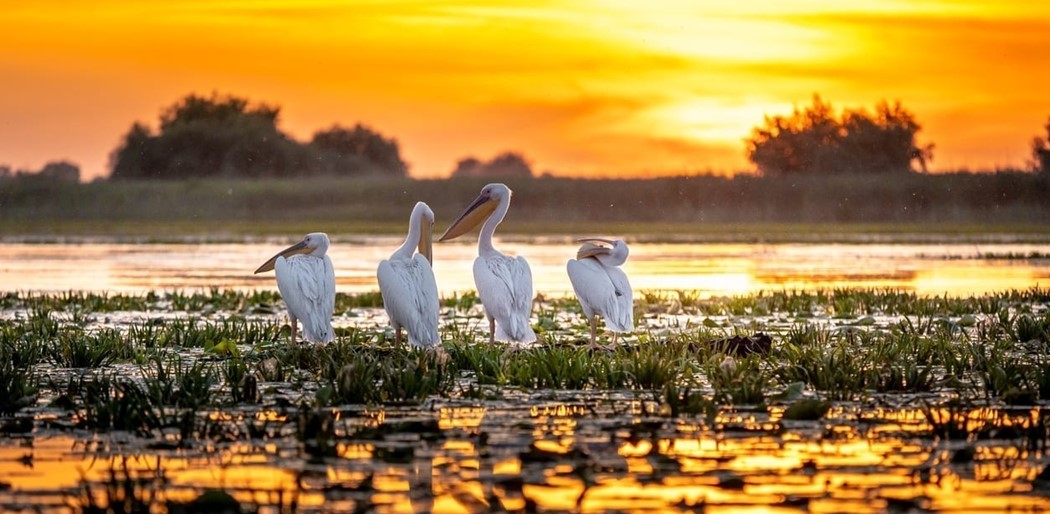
{"type": "Point", "coordinates": [467, 167]}
{"type": "Point", "coordinates": [229, 136]}
{"type": "Point", "coordinates": [506, 164]}
{"type": "Point", "coordinates": [205, 137]}
{"type": "Point", "coordinates": [53, 171]}
{"type": "Point", "coordinates": [63, 171]}
{"type": "Point", "coordinates": [1041, 152]}
{"type": "Point", "coordinates": [341, 147]}
{"type": "Point", "coordinates": [815, 141]}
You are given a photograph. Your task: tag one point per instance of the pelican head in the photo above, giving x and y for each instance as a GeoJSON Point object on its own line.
{"type": "Point", "coordinates": [315, 243]}
{"type": "Point", "coordinates": [613, 255]}
{"type": "Point", "coordinates": [425, 216]}
{"type": "Point", "coordinates": [491, 197]}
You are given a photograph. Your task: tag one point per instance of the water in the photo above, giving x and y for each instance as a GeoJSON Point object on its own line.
{"type": "Point", "coordinates": [538, 450]}
{"type": "Point", "coordinates": [710, 269]}
{"type": "Point", "coordinates": [590, 453]}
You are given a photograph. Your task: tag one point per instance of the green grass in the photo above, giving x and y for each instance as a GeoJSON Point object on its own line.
{"type": "Point", "coordinates": [188, 366]}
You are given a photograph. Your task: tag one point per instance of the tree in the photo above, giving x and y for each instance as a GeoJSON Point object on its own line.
{"type": "Point", "coordinates": [467, 167]}
{"type": "Point", "coordinates": [506, 164]}
{"type": "Point", "coordinates": [224, 135]}
{"type": "Point", "coordinates": [53, 171]}
{"type": "Point", "coordinates": [209, 136]}
{"type": "Point", "coordinates": [1041, 152]}
{"type": "Point", "coordinates": [63, 171]}
{"type": "Point", "coordinates": [816, 141]}
{"type": "Point", "coordinates": [354, 147]}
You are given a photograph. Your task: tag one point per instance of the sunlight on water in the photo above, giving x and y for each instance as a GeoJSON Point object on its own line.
{"type": "Point", "coordinates": [574, 458]}
{"type": "Point", "coordinates": [710, 269]}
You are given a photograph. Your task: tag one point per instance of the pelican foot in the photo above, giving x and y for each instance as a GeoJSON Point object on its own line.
{"type": "Point", "coordinates": [440, 355]}
{"type": "Point", "coordinates": [603, 347]}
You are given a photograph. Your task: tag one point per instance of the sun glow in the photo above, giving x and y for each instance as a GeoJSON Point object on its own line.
{"type": "Point", "coordinates": [581, 88]}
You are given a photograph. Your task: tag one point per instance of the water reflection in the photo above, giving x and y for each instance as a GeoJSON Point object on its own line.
{"type": "Point", "coordinates": [584, 455]}
{"type": "Point", "coordinates": [711, 269]}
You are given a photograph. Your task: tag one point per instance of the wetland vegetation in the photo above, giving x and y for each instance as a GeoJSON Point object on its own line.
{"type": "Point", "coordinates": [711, 208]}
{"type": "Point", "coordinates": [867, 400]}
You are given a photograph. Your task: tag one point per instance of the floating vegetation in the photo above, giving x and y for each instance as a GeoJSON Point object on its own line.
{"type": "Point", "coordinates": [940, 389]}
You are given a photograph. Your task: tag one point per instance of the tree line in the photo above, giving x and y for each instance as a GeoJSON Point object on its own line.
{"type": "Point", "coordinates": [229, 136]}
{"type": "Point", "coordinates": [61, 171]}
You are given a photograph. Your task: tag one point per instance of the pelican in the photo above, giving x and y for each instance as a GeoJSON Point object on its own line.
{"type": "Point", "coordinates": [306, 280]}
{"type": "Point", "coordinates": [601, 286]}
{"type": "Point", "coordinates": [406, 281]}
{"type": "Point", "coordinates": [504, 283]}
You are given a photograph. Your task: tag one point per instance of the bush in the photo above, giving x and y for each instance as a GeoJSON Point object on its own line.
{"type": "Point", "coordinates": [506, 164]}
{"type": "Point", "coordinates": [226, 136]}
{"type": "Point", "coordinates": [816, 141]}
{"type": "Point", "coordinates": [1041, 152]}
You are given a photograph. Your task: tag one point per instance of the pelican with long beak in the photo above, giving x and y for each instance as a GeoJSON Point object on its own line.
{"type": "Point", "coordinates": [601, 286]}
{"type": "Point", "coordinates": [406, 281]}
{"type": "Point", "coordinates": [306, 280]}
{"type": "Point", "coordinates": [504, 283]}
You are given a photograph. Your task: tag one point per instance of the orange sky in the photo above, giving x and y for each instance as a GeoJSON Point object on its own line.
{"type": "Point", "coordinates": [593, 88]}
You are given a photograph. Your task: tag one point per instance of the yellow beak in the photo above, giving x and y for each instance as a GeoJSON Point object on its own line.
{"type": "Point", "coordinates": [299, 247]}
{"type": "Point", "coordinates": [477, 212]}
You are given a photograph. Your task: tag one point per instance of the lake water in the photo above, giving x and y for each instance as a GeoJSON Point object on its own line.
{"type": "Point", "coordinates": [710, 269]}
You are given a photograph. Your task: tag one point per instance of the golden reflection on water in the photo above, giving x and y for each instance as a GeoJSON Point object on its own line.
{"type": "Point", "coordinates": [856, 460]}
{"type": "Point", "coordinates": [710, 269]}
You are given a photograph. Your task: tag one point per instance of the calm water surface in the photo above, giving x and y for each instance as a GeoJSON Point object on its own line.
{"type": "Point", "coordinates": [597, 454]}
{"type": "Point", "coordinates": [711, 269]}
{"type": "Point", "coordinates": [542, 450]}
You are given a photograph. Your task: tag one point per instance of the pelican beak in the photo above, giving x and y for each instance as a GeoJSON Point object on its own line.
{"type": "Point", "coordinates": [600, 240]}
{"type": "Point", "coordinates": [426, 242]}
{"type": "Point", "coordinates": [482, 207]}
{"type": "Point", "coordinates": [592, 250]}
{"type": "Point", "coordinates": [299, 247]}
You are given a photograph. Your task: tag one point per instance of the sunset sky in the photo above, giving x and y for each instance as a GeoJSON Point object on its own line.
{"type": "Point", "coordinates": [585, 88]}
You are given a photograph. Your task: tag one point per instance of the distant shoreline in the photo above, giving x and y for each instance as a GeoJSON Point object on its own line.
{"type": "Point", "coordinates": [160, 232]}
{"type": "Point", "coordinates": [982, 208]}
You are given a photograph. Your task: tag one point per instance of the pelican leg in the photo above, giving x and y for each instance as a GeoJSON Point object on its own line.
{"type": "Point", "coordinates": [594, 330]}
{"type": "Point", "coordinates": [594, 337]}
{"type": "Point", "coordinates": [397, 337]}
{"type": "Point", "coordinates": [295, 329]}
{"type": "Point", "coordinates": [492, 331]}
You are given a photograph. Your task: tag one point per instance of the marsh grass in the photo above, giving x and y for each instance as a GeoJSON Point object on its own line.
{"type": "Point", "coordinates": [78, 348]}
{"type": "Point", "coordinates": [17, 388]}
{"type": "Point", "coordinates": [792, 207]}
{"type": "Point", "coordinates": [970, 371]}
{"type": "Point", "coordinates": [841, 345]}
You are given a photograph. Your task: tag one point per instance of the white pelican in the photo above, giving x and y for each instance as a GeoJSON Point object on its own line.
{"type": "Point", "coordinates": [504, 283]}
{"type": "Point", "coordinates": [406, 281]}
{"type": "Point", "coordinates": [306, 280]}
{"type": "Point", "coordinates": [601, 286]}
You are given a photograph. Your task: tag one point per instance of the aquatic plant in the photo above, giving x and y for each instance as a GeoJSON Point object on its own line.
{"type": "Point", "coordinates": [17, 388]}
{"type": "Point", "coordinates": [78, 348]}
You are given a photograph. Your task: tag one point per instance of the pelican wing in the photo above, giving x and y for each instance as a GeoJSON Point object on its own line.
{"type": "Point", "coordinates": [505, 288]}
{"type": "Point", "coordinates": [591, 284]}
{"type": "Point", "coordinates": [603, 290]}
{"type": "Point", "coordinates": [621, 315]}
{"type": "Point", "coordinates": [410, 298]}
{"type": "Point", "coordinates": [307, 285]}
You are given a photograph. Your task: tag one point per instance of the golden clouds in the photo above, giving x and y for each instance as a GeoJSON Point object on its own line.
{"type": "Point", "coordinates": [584, 87]}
